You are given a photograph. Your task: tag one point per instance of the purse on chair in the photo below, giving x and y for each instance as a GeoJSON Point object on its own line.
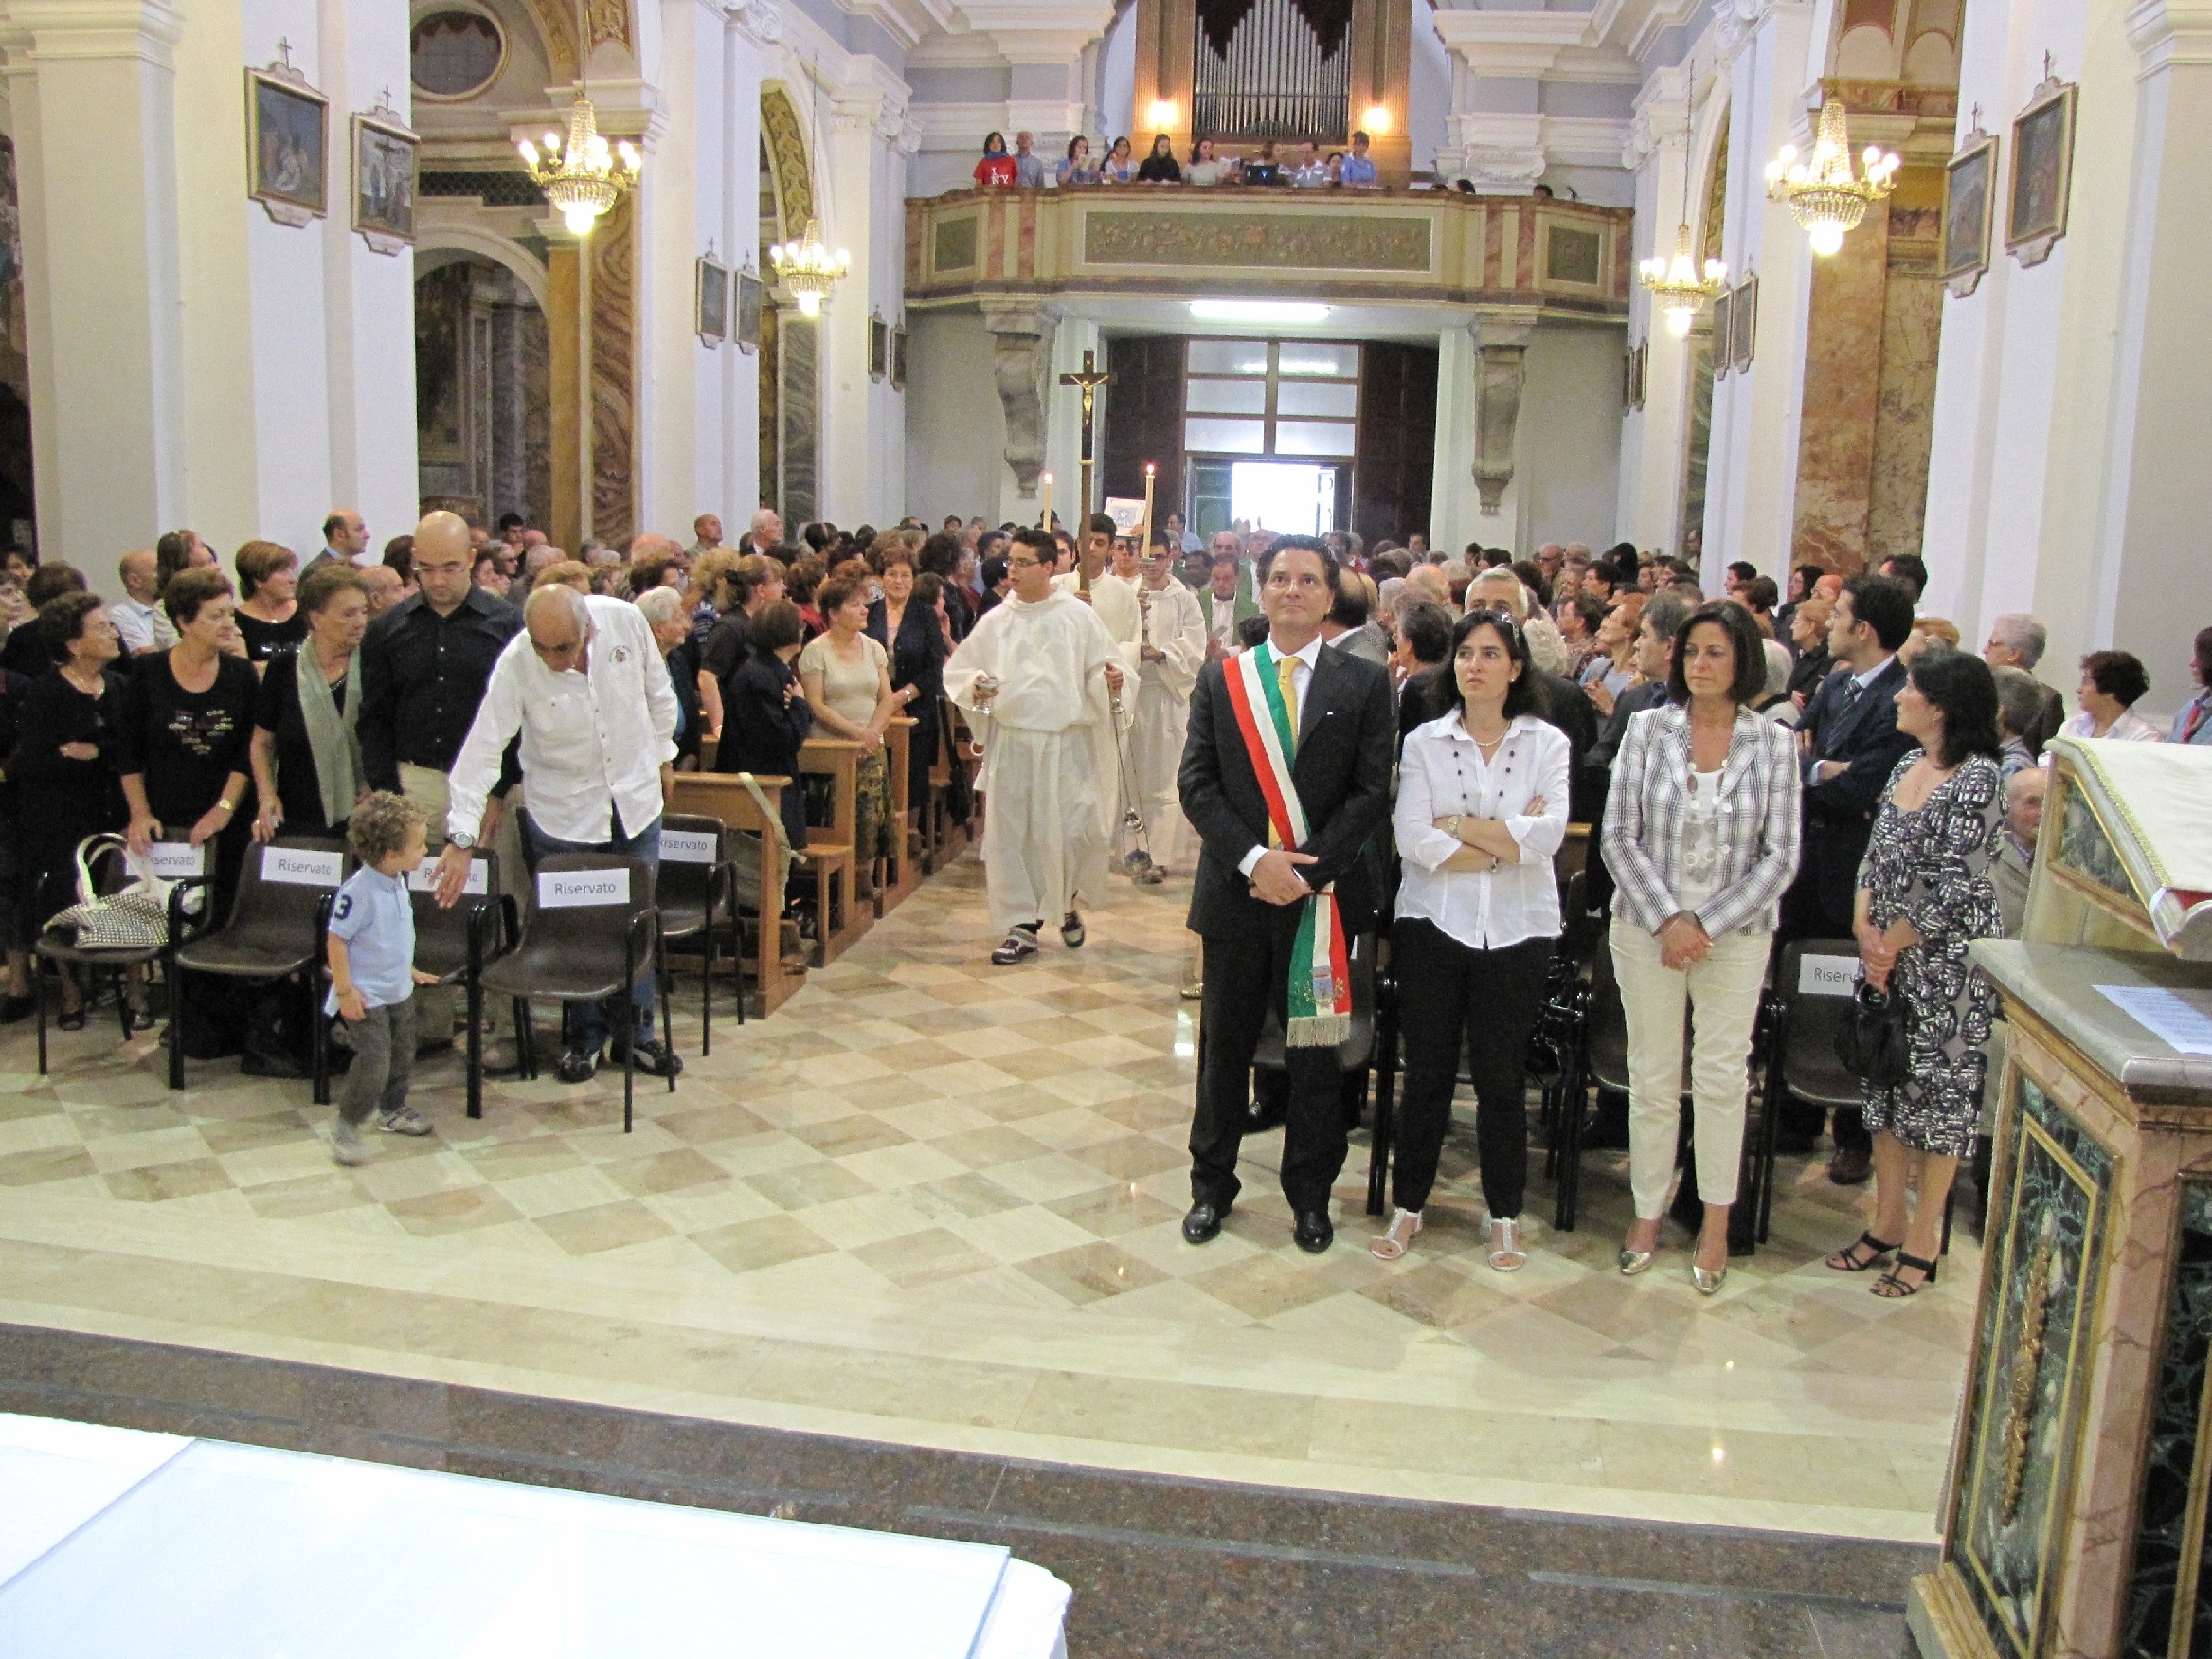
{"type": "Point", "coordinates": [1871, 1040]}
{"type": "Point", "coordinates": [135, 918]}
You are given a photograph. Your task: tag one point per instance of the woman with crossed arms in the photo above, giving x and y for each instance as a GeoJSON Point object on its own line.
{"type": "Point", "coordinates": [1482, 808]}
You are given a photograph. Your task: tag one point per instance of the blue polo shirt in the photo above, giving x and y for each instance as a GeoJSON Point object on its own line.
{"type": "Point", "coordinates": [375, 918]}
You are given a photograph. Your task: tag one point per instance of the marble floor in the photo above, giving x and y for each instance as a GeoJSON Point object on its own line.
{"type": "Point", "coordinates": [934, 1203]}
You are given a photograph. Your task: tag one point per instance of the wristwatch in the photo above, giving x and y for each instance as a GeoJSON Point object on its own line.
{"type": "Point", "coordinates": [1452, 824]}
{"type": "Point", "coordinates": [463, 840]}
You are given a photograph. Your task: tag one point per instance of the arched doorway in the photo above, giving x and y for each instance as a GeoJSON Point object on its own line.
{"type": "Point", "coordinates": [482, 390]}
{"type": "Point", "coordinates": [790, 344]}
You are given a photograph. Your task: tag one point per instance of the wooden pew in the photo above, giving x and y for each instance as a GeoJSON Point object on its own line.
{"type": "Point", "coordinates": [842, 919]}
{"type": "Point", "coordinates": [720, 795]}
{"type": "Point", "coordinates": [943, 840]}
{"type": "Point", "coordinates": [902, 872]}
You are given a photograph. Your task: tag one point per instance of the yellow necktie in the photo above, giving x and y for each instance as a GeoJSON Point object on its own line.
{"type": "Point", "coordinates": [1285, 676]}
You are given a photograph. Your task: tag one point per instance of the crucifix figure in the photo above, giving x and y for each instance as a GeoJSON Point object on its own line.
{"type": "Point", "coordinates": [1089, 380]}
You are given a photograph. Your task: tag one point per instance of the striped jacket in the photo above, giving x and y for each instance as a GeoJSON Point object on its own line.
{"type": "Point", "coordinates": [1761, 813]}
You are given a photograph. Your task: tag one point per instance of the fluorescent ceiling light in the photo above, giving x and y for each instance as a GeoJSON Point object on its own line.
{"type": "Point", "coordinates": [1258, 311]}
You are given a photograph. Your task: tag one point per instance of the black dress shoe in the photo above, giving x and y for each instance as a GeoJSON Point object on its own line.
{"type": "Point", "coordinates": [1313, 1233]}
{"type": "Point", "coordinates": [1202, 1223]}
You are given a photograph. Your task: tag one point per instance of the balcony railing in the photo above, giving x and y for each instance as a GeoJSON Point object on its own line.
{"type": "Point", "coordinates": [1525, 253]}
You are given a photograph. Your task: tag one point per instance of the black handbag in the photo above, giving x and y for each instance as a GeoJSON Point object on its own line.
{"type": "Point", "coordinates": [1871, 1040]}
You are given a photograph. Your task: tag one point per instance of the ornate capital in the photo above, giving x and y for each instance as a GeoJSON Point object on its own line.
{"type": "Point", "coordinates": [762, 21]}
{"type": "Point", "coordinates": [1504, 166]}
{"type": "Point", "coordinates": [1021, 353]}
{"type": "Point", "coordinates": [1500, 367]}
{"type": "Point", "coordinates": [1735, 21]}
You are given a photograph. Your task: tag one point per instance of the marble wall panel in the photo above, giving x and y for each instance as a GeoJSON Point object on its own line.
{"type": "Point", "coordinates": [1843, 396]}
{"type": "Point", "coordinates": [614, 401]}
{"type": "Point", "coordinates": [1905, 408]}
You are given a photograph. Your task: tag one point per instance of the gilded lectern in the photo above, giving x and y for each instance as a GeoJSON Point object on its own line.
{"type": "Point", "coordinates": [2074, 1512]}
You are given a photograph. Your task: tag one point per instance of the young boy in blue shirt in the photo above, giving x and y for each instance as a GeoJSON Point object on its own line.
{"type": "Point", "coordinates": [373, 975]}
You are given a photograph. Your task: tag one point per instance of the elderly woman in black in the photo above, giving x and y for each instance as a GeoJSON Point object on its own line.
{"type": "Point", "coordinates": [908, 622]}
{"type": "Point", "coordinates": [306, 760]}
{"type": "Point", "coordinates": [184, 729]}
{"type": "Point", "coordinates": [63, 771]}
{"type": "Point", "coordinates": [1924, 896]}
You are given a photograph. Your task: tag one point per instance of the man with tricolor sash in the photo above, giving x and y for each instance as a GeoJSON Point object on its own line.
{"type": "Point", "coordinates": [1286, 776]}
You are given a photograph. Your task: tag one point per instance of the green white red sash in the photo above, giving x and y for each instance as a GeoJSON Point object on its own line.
{"type": "Point", "coordinates": [1321, 977]}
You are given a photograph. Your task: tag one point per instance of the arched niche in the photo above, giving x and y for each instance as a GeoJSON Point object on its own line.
{"type": "Point", "coordinates": [790, 344]}
{"type": "Point", "coordinates": [457, 240]}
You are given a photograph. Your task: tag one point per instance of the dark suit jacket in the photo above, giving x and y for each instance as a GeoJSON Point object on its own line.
{"type": "Point", "coordinates": [1839, 812]}
{"type": "Point", "coordinates": [1342, 767]}
{"type": "Point", "coordinates": [2049, 719]}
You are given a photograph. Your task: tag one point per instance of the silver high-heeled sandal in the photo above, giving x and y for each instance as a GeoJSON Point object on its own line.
{"type": "Point", "coordinates": [1404, 1226]}
{"type": "Point", "coordinates": [1636, 1261]}
{"type": "Point", "coordinates": [1506, 1255]}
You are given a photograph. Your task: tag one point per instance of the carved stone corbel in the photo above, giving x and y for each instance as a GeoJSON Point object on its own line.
{"type": "Point", "coordinates": [1021, 351]}
{"type": "Point", "coordinates": [1501, 351]}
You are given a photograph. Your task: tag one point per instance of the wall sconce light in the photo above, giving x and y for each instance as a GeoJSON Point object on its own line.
{"type": "Point", "coordinates": [1162, 116]}
{"type": "Point", "coordinates": [1376, 121]}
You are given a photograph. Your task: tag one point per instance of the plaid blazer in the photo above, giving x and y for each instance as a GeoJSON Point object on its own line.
{"type": "Point", "coordinates": [1760, 811]}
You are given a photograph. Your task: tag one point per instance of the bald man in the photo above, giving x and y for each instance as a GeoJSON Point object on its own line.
{"type": "Point", "coordinates": [588, 696]}
{"type": "Point", "coordinates": [138, 612]}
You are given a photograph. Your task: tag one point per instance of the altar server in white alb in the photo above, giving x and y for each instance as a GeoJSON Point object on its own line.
{"type": "Point", "coordinates": [1037, 677]}
{"type": "Point", "coordinates": [1171, 648]}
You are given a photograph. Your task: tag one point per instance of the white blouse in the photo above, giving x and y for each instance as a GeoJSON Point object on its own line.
{"type": "Point", "coordinates": [1441, 773]}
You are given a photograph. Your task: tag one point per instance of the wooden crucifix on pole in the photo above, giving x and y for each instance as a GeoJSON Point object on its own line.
{"type": "Point", "coordinates": [1089, 380]}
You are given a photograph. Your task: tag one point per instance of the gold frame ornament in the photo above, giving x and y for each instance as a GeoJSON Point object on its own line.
{"type": "Point", "coordinates": [392, 230]}
{"type": "Point", "coordinates": [1963, 266]}
{"type": "Point", "coordinates": [711, 299]}
{"type": "Point", "coordinates": [289, 202]}
{"type": "Point", "coordinates": [2042, 170]}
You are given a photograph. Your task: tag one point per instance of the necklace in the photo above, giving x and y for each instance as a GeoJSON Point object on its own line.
{"type": "Point", "coordinates": [93, 690]}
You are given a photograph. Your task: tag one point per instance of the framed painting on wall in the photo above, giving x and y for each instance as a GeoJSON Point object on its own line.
{"type": "Point", "coordinates": [712, 301]}
{"type": "Point", "coordinates": [878, 347]}
{"type": "Point", "coordinates": [1723, 332]}
{"type": "Point", "coordinates": [383, 181]}
{"type": "Point", "coordinates": [2042, 172]}
{"type": "Point", "coordinates": [1743, 322]}
{"type": "Point", "coordinates": [1969, 209]}
{"type": "Point", "coordinates": [750, 292]}
{"type": "Point", "coordinates": [288, 163]}
{"type": "Point", "coordinates": [898, 358]}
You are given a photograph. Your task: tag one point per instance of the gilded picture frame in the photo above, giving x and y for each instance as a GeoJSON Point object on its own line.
{"type": "Point", "coordinates": [878, 347]}
{"type": "Point", "coordinates": [1970, 212]}
{"type": "Point", "coordinates": [710, 300]}
{"type": "Point", "coordinates": [2042, 172]}
{"type": "Point", "coordinates": [383, 181]}
{"type": "Point", "coordinates": [1723, 332]}
{"type": "Point", "coordinates": [746, 316]}
{"type": "Point", "coordinates": [1743, 322]}
{"type": "Point", "coordinates": [898, 358]}
{"type": "Point", "coordinates": [288, 150]}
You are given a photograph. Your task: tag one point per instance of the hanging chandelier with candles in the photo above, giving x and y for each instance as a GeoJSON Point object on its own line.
{"type": "Point", "coordinates": [583, 177]}
{"type": "Point", "coordinates": [809, 269]}
{"type": "Point", "coordinates": [1676, 285]}
{"type": "Point", "coordinates": [1825, 196]}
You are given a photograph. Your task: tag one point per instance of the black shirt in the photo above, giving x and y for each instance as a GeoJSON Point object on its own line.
{"type": "Point", "coordinates": [423, 679]}
{"type": "Point", "coordinates": [760, 731]}
{"type": "Point", "coordinates": [25, 652]}
{"type": "Point", "coordinates": [265, 642]}
{"type": "Point", "coordinates": [725, 648]}
{"type": "Point", "coordinates": [1159, 169]}
{"type": "Point", "coordinates": [299, 784]}
{"type": "Point", "coordinates": [186, 743]}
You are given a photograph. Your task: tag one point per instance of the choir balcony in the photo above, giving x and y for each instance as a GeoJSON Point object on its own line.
{"type": "Point", "coordinates": [1530, 255]}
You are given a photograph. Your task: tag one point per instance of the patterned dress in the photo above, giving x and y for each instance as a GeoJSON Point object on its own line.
{"type": "Point", "coordinates": [1931, 867]}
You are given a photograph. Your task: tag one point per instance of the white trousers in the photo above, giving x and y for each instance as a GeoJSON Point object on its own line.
{"type": "Point", "coordinates": [1723, 995]}
{"type": "Point", "coordinates": [1044, 834]}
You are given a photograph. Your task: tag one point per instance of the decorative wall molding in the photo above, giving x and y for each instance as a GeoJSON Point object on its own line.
{"type": "Point", "coordinates": [1501, 369]}
{"type": "Point", "coordinates": [762, 21]}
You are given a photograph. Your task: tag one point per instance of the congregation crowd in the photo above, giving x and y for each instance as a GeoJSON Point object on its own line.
{"type": "Point", "coordinates": [1335, 740]}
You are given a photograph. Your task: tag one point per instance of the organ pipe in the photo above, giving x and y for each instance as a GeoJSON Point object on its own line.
{"type": "Point", "coordinates": [1274, 77]}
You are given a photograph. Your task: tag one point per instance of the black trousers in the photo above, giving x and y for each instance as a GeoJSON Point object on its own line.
{"type": "Point", "coordinates": [1807, 916]}
{"type": "Point", "coordinates": [1447, 994]}
{"type": "Point", "coordinates": [1245, 979]}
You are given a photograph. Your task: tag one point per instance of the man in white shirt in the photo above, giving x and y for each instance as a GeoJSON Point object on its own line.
{"type": "Point", "coordinates": [766, 533]}
{"type": "Point", "coordinates": [1312, 171]}
{"type": "Point", "coordinates": [1171, 648]}
{"type": "Point", "coordinates": [135, 614]}
{"type": "Point", "coordinates": [584, 686]}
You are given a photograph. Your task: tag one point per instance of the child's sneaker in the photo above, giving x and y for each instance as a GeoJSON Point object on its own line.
{"type": "Point", "coordinates": [345, 1145]}
{"type": "Point", "coordinates": [406, 1121]}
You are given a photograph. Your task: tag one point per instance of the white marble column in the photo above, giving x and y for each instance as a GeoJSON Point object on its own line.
{"type": "Point", "coordinates": [746, 36]}
{"type": "Point", "coordinates": [2148, 548]}
{"type": "Point", "coordinates": [1455, 508]}
{"type": "Point", "coordinates": [102, 272]}
{"type": "Point", "coordinates": [1655, 438]}
{"type": "Point", "coordinates": [1751, 466]}
{"type": "Point", "coordinates": [863, 462]}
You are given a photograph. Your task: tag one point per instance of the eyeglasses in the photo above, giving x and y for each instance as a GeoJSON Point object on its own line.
{"type": "Point", "coordinates": [1500, 619]}
{"type": "Point", "coordinates": [1022, 564]}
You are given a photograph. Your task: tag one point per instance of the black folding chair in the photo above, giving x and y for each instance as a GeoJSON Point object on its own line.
{"type": "Point", "coordinates": [584, 948]}
{"type": "Point", "coordinates": [111, 874]}
{"type": "Point", "coordinates": [278, 919]}
{"type": "Point", "coordinates": [696, 893]}
{"type": "Point", "coordinates": [1804, 1009]}
{"type": "Point", "coordinates": [456, 944]}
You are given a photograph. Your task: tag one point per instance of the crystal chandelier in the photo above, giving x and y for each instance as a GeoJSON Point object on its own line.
{"type": "Point", "coordinates": [1821, 191]}
{"type": "Point", "coordinates": [809, 269]}
{"type": "Point", "coordinates": [1676, 285]}
{"type": "Point", "coordinates": [581, 177]}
